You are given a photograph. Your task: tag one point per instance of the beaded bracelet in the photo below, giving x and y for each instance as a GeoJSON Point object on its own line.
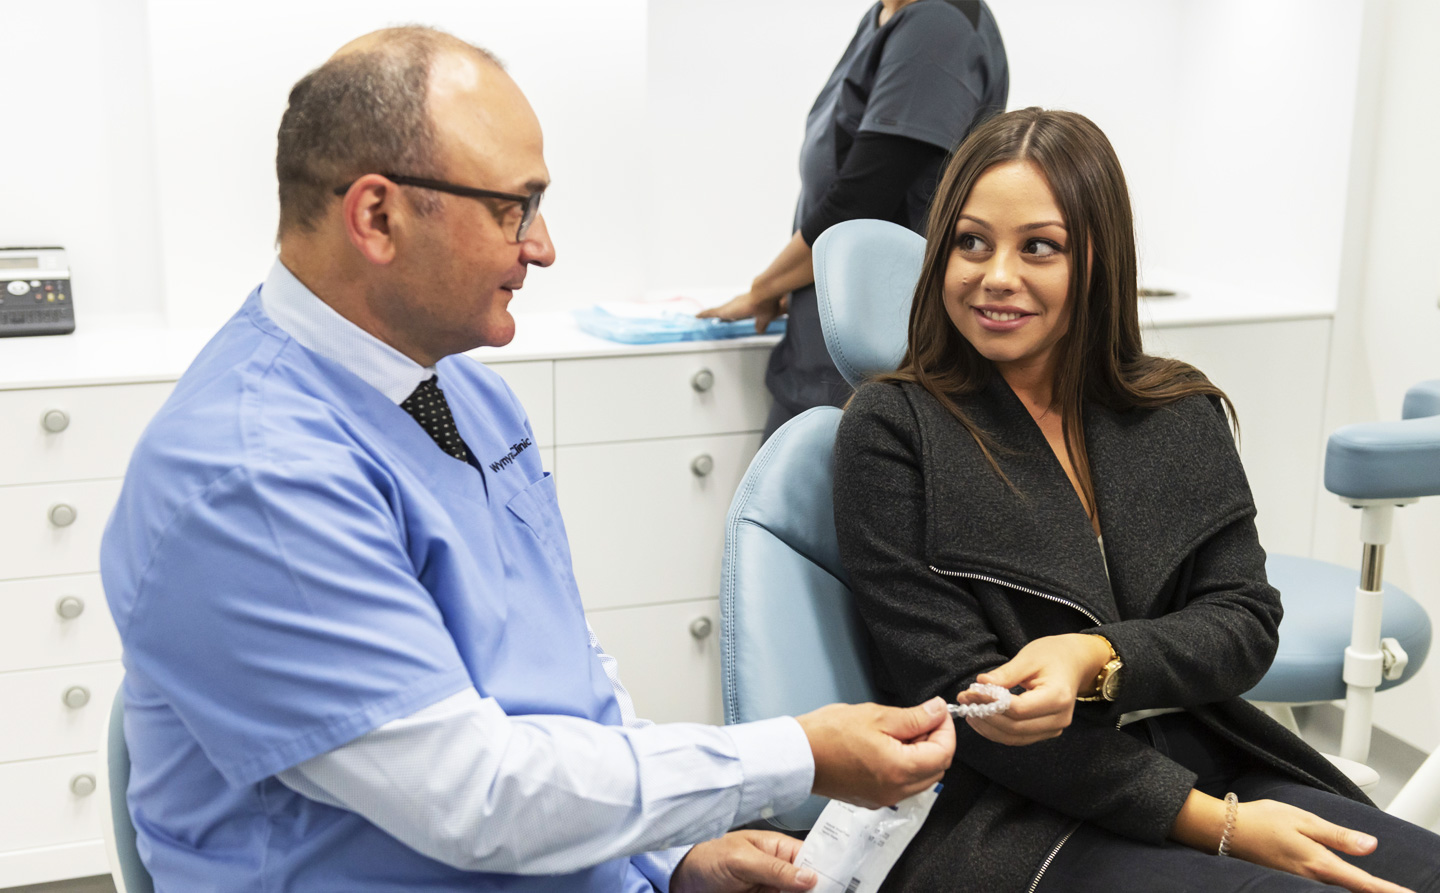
{"type": "Point", "coordinates": [1232, 809]}
{"type": "Point", "coordinates": [999, 704]}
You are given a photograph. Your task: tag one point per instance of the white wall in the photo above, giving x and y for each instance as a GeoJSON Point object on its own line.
{"type": "Point", "coordinates": [1387, 326]}
{"type": "Point", "coordinates": [222, 72]}
{"type": "Point", "coordinates": [729, 86]}
{"type": "Point", "coordinates": [77, 164]}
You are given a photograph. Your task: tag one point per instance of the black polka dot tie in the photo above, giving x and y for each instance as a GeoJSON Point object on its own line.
{"type": "Point", "coordinates": [428, 407]}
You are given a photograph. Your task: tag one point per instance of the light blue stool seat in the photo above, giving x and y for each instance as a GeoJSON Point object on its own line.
{"type": "Point", "coordinates": [1319, 599]}
{"type": "Point", "coordinates": [1389, 460]}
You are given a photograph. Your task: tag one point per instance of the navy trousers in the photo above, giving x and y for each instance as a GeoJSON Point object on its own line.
{"type": "Point", "coordinates": [1096, 861]}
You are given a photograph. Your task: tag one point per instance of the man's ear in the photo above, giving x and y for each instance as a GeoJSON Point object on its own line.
{"type": "Point", "coordinates": [369, 210]}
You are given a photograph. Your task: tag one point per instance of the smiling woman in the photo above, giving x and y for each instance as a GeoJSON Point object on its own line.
{"type": "Point", "coordinates": [1031, 501]}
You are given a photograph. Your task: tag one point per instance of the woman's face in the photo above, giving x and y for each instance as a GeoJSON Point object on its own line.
{"type": "Point", "coordinates": [1007, 280]}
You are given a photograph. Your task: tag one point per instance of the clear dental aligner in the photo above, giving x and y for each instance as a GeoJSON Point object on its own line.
{"type": "Point", "coordinates": [999, 704]}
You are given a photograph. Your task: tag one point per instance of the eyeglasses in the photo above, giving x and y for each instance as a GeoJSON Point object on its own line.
{"type": "Point", "coordinates": [529, 203]}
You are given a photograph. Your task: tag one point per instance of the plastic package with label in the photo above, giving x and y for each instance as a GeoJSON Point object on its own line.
{"type": "Point", "coordinates": [654, 322]}
{"type": "Point", "coordinates": [852, 849]}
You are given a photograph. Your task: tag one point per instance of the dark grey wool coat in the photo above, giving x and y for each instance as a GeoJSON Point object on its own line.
{"type": "Point", "coordinates": [953, 573]}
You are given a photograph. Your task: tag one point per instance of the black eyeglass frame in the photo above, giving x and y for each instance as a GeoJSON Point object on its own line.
{"type": "Point", "coordinates": [529, 202]}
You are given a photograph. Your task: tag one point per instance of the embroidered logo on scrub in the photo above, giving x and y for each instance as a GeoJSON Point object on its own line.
{"type": "Point", "coordinates": [509, 458]}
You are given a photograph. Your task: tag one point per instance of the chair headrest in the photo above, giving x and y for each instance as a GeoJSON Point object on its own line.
{"type": "Point", "coordinates": [865, 275]}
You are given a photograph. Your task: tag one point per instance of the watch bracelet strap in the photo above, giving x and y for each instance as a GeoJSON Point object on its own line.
{"type": "Point", "coordinates": [1099, 682]}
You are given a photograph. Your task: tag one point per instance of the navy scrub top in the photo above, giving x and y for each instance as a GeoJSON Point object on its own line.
{"type": "Point", "coordinates": [931, 73]}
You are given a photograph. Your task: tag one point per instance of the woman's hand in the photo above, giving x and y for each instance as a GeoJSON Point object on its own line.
{"type": "Point", "coordinates": [1283, 837]}
{"type": "Point", "coordinates": [764, 307]}
{"type": "Point", "coordinates": [1053, 670]}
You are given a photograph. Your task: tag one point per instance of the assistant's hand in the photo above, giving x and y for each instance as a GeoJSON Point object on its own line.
{"type": "Point", "coordinates": [1278, 835]}
{"type": "Point", "coordinates": [1053, 670]}
{"type": "Point", "coordinates": [875, 756]}
{"type": "Point", "coordinates": [765, 308]}
{"type": "Point", "coordinates": [742, 862]}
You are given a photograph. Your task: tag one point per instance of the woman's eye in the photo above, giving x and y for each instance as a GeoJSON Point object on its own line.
{"type": "Point", "coordinates": [1043, 248]}
{"type": "Point", "coordinates": [970, 242]}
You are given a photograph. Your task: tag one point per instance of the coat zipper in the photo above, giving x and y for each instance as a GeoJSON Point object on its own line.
{"type": "Point", "coordinates": [1054, 598]}
{"type": "Point", "coordinates": [1054, 851]}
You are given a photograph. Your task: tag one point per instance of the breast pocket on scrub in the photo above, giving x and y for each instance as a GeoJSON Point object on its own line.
{"type": "Point", "coordinates": [538, 509]}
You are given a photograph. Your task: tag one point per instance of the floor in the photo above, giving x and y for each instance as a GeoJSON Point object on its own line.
{"type": "Point", "coordinates": [1320, 725]}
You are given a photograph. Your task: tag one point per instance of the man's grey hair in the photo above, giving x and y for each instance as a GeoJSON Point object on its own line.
{"type": "Point", "coordinates": [362, 112]}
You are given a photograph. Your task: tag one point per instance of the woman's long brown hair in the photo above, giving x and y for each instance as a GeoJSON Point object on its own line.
{"type": "Point", "coordinates": [1101, 358]}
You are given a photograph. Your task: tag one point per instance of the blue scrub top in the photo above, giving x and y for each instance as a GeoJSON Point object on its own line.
{"type": "Point", "coordinates": [293, 562]}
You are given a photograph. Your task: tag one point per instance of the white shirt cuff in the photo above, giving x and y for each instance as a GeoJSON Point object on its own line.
{"type": "Point", "coordinates": [778, 764]}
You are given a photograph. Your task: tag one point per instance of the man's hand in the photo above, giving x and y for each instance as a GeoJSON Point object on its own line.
{"type": "Point", "coordinates": [1054, 670]}
{"type": "Point", "coordinates": [742, 862]}
{"type": "Point", "coordinates": [764, 307]}
{"type": "Point", "coordinates": [875, 756]}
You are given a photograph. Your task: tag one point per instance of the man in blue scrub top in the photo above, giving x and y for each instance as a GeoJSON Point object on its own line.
{"type": "Point", "coordinates": [355, 654]}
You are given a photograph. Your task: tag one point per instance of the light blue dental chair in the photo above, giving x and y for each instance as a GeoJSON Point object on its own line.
{"type": "Point", "coordinates": [791, 640]}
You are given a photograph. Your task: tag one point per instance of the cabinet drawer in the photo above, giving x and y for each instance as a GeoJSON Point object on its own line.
{"type": "Point", "coordinates": [41, 723]}
{"type": "Point", "coordinates": [534, 383]}
{"type": "Point", "coordinates": [99, 427]}
{"type": "Point", "coordinates": [669, 658]}
{"type": "Point", "coordinates": [54, 622]}
{"type": "Point", "coordinates": [33, 545]}
{"type": "Point", "coordinates": [635, 398]}
{"type": "Point", "coordinates": [39, 808]}
{"type": "Point", "coordinates": [644, 526]}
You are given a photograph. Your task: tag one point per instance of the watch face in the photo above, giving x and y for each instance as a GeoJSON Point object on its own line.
{"type": "Point", "coordinates": [1111, 686]}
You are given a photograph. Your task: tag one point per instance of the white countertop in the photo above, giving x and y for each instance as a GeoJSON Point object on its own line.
{"type": "Point", "coordinates": [141, 349]}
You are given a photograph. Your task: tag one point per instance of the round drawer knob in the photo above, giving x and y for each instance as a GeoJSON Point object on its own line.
{"type": "Point", "coordinates": [70, 607]}
{"type": "Point", "coordinates": [62, 515]}
{"type": "Point", "coordinates": [702, 465]}
{"type": "Point", "coordinates": [701, 627]}
{"type": "Point", "coordinates": [55, 420]}
{"type": "Point", "coordinates": [76, 696]}
{"type": "Point", "coordinates": [82, 785]}
{"type": "Point", "coordinates": [703, 380]}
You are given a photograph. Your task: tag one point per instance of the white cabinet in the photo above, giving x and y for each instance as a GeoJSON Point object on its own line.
{"type": "Point", "coordinates": [1274, 373]}
{"type": "Point", "coordinates": [62, 454]}
{"type": "Point", "coordinates": [649, 451]}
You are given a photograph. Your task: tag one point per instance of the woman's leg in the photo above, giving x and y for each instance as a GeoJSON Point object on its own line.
{"type": "Point", "coordinates": [1096, 861]}
{"type": "Point", "coordinates": [1407, 854]}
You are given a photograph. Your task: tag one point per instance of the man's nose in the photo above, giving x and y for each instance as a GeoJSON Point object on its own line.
{"type": "Point", "coordinates": [537, 248]}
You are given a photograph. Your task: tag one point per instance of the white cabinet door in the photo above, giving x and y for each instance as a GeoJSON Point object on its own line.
{"type": "Point", "coordinates": [669, 658]}
{"type": "Point", "coordinates": [55, 621]}
{"type": "Point", "coordinates": [1274, 373]}
{"type": "Point", "coordinates": [41, 807]}
{"type": "Point", "coordinates": [97, 429]}
{"type": "Point", "coordinates": [33, 544]}
{"type": "Point", "coordinates": [667, 395]}
{"type": "Point", "coordinates": [62, 709]}
{"type": "Point", "coordinates": [644, 526]}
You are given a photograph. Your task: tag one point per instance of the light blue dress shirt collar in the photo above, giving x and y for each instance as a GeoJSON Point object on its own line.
{"type": "Point", "coordinates": [318, 327]}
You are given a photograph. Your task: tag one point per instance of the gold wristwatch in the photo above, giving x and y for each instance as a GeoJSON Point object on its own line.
{"type": "Point", "coordinates": [1107, 681]}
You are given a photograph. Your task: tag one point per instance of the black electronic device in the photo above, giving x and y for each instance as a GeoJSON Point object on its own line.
{"type": "Point", "coordinates": [35, 295]}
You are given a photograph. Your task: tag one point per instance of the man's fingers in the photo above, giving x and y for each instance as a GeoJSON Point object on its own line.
{"type": "Point", "coordinates": [755, 866]}
{"type": "Point", "coordinates": [909, 723]}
